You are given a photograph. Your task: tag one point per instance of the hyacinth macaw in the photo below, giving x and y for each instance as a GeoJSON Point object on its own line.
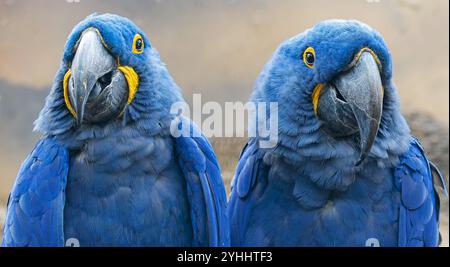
{"type": "Point", "coordinates": [108, 171]}
{"type": "Point", "coordinates": [345, 170]}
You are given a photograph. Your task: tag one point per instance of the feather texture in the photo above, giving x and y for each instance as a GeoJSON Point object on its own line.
{"type": "Point", "coordinates": [123, 182]}
{"type": "Point", "coordinates": [207, 194]}
{"type": "Point", "coordinates": [307, 190]}
{"type": "Point", "coordinates": [419, 211]}
{"type": "Point", "coordinates": [36, 204]}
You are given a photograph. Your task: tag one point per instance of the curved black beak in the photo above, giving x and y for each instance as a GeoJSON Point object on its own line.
{"type": "Point", "coordinates": [353, 103]}
{"type": "Point", "coordinates": [92, 61]}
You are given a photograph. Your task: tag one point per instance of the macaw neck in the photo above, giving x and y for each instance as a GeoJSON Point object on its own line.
{"type": "Point", "coordinates": [75, 138]}
{"type": "Point", "coordinates": [330, 162]}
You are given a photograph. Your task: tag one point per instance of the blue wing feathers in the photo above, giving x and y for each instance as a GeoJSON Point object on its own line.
{"type": "Point", "coordinates": [435, 169]}
{"type": "Point", "coordinates": [419, 221]}
{"type": "Point", "coordinates": [205, 186]}
{"type": "Point", "coordinates": [249, 172]}
{"type": "Point", "coordinates": [244, 185]}
{"type": "Point", "coordinates": [36, 204]}
{"type": "Point", "coordinates": [35, 209]}
{"type": "Point", "coordinates": [246, 171]}
{"type": "Point", "coordinates": [195, 195]}
{"type": "Point", "coordinates": [414, 192]}
{"type": "Point", "coordinates": [212, 212]}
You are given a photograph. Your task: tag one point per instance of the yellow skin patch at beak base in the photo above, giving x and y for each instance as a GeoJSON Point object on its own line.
{"type": "Point", "coordinates": [129, 73]}
{"type": "Point", "coordinates": [66, 93]}
{"type": "Point", "coordinates": [315, 96]}
{"type": "Point", "coordinates": [132, 80]}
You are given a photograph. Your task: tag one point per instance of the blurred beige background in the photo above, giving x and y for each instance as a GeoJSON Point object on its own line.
{"type": "Point", "coordinates": [214, 47]}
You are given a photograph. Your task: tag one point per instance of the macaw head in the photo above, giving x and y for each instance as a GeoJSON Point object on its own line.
{"type": "Point", "coordinates": [109, 71]}
{"type": "Point", "coordinates": [334, 87]}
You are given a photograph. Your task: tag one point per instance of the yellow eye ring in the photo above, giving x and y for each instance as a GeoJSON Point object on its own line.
{"type": "Point", "coordinates": [138, 44]}
{"type": "Point", "coordinates": [309, 56]}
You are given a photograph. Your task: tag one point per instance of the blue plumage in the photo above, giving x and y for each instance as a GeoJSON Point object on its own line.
{"type": "Point", "coordinates": [202, 172]}
{"type": "Point", "coordinates": [419, 212]}
{"type": "Point", "coordinates": [307, 191]}
{"type": "Point", "coordinates": [123, 182]}
{"type": "Point", "coordinates": [36, 203]}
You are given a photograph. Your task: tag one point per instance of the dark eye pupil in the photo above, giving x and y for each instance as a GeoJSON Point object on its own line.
{"type": "Point", "coordinates": [139, 44]}
{"type": "Point", "coordinates": [309, 58]}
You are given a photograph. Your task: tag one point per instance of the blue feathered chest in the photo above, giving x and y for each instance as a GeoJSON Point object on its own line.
{"type": "Point", "coordinates": [126, 189]}
{"type": "Point", "coordinates": [366, 213]}
{"type": "Point", "coordinates": [278, 202]}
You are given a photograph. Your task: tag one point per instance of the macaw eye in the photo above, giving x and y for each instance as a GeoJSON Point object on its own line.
{"type": "Point", "coordinates": [309, 57]}
{"type": "Point", "coordinates": [138, 44]}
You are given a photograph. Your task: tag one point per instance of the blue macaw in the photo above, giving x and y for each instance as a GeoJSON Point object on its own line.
{"type": "Point", "coordinates": [345, 170]}
{"type": "Point", "coordinates": [108, 171]}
